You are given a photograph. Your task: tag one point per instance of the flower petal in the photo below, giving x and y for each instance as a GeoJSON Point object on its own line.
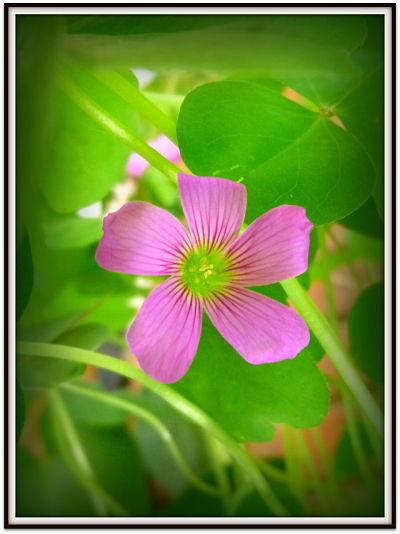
{"type": "Point", "coordinates": [165, 334]}
{"type": "Point", "coordinates": [214, 208]}
{"type": "Point", "coordinates": [273, 248]}
{"type": "Point", "coordinates": [142, 239]}
{"type": "Point", "coordinates": [259, 328]}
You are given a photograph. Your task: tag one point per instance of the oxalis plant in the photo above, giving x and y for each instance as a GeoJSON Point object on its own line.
{"type": "Point", "coordinates": [199, 266]}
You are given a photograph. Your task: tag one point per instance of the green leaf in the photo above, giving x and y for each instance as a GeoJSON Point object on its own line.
{"type": "Point", "coordinates": [366, 329]}
{"type": "Point", "coordinates": [42, 373]}
{"type": "Point", "coordinates": [88, 336]}
{"type": "Point", "coordinates": [246, 399]}
{"type": "Point", "coordinates": [365, 220]}
{"type": "Point", "coordinates": [85, 160]}
{"type": "Point", "coordinates": [194, 503]}
{"type": "Point", "coordinates": [46, 488]}
{"type": "Point", "coordinates": [116, 463]}
{"type": "Point", "coordinates": [46, 331]}
{"type": "Point", "coordinates": [286, 153]}
{"type": "Point", "coordinates": [188, 438]}
{"type": "Point", "coordinates": [306, 52]}
{"type": "Point", "coordinates": [71, 231]}
{"type": "Point", "coordinates": [94, 413]}
{"type": "Point", "coordinates": [253, 506]}
{"type": "Point", "coordinates": [24, 275]}
{"type": "Point", "coordinates": [20, 410]}
{"type": "Point", "coordinates": [362, 112]}
{"type": "Point", "coordinates": [38, 372]}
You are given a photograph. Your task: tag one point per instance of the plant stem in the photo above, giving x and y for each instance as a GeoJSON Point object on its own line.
{"type": "Point", "coordinates": [135, 98]}
{"type": "Point", "coordinates": [180, 403]}
{"type": "Point", "coordinates": [165, 98]}
{"type": "Point", "coordinates": [327, 465]}
{"type": "Point", "coordinates": [330, 341]}
{"type": "Point", "coordinates": [118, 130]}
{"type": "Point", "coordinates": [218, 468]}
{"type": "Point", "coordinates": [294, 476]}
{"type": "Point", "coordinates": [305, 454]}
{"type": "Point", "coordinates": [330, 301]}
{"type": "Point", "coordinates": [75, 456]}
{"type": "Point", "coordinates": [272, 471]}
{"type": "Point", "coordinates": [150, 418]}
{"type": "Point", "coordinates": [349, 265]}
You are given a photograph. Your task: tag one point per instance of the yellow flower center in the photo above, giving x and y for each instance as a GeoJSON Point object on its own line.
{"type": "Point", "coordinates": [205, 272]}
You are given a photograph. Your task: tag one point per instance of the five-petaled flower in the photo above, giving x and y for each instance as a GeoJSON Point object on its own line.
{"type": "Point", "coordinates": [209, 268]}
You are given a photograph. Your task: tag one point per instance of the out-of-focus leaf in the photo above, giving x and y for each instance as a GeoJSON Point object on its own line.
{"type": "Point", "coordinates": [87, 336]}
{"type": "Point", "coordinates": [246, 399]}
{"type": "Point", "coordinates": [366, 330]}
{"type": "Point", "coordinates": [46, 488]}
{"type": "Point", "coordinates": [117, 466]}
{"type": "Point", "coordinates": [38, 372]}
{"type": "Point", "coordinates": [195, 503]}
{"type": "Point", "coordinates": [71, 231]}
{"type": "Point", "coordinates": [96, 413]}
{"type": "Point", "coordinates": [157, 457]}
{"type": "Point", "coordinates": [24, 275]}
{"type": "Point", "coordinates": [253, 506]}
{"type": "Point", "coordinates": [362, 108]}
{"type": "Point", "coordinates": [42, 373]}
{"type": "Point", "coordinates": [286, 153]}
{"type": "Point", "coordinates": [362, 500]}
{"type": "Point", "coordinates": [365, 220]}
{"type": "Point", "coordinates": [20, 410]}
{"type": "Point", "coordinates": [85, 160]}
{"type": "Point", "coordinates": [306, 52]}
{"type": "Point", "coordinates": [46, 331]}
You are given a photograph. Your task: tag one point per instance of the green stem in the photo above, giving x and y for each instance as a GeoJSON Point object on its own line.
{"type": "Point", "coordinates": [294, 476]}
{"type": "Point", "coordinates": [330, 301]}
{"type": "Point", "coordinates": [330, 341]}
{"type": "Point", "coordinates": [76, 458]}
{"type": "Point", "coordinates": [150, 418]}
{"type": "Point", "coordinates": [304, 454]}
{"type": "Point", "coordinates": [135, 98]}
{"type": "Point", "coordinates": [272, 471]}
{"type": "Point", "coordinates": [349, 265]}
{"type": "Point", "coordinates": [165, 98]}
{"type": "Point", "coordinates": [327, 465]}
{"type": "Point", "coordinates": [180, 403]}
{"type": "Point", "coordinates": [118, 130]}
{"type": "Point", "coordinates": [218, 468]}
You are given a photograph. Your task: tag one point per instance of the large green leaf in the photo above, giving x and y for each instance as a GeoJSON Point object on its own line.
{"type": "Point", "coordinates": [286, 153]}
{"type": "Point", "coordinates": [246, 399]}
{"type": "Point", "coordinates": [85, 160]}
{"type": "Point", "coordinates": [362, 111]}
{"type": "Point", "coordinates": [302, 51]}
{"type": "Point", "coordinates": [366, 329]}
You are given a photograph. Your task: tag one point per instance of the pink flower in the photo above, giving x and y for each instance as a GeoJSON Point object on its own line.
{"type": "Point", "coordinates": [137, 165]}
{"type": "Point", "coordinates": [209, 268]}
